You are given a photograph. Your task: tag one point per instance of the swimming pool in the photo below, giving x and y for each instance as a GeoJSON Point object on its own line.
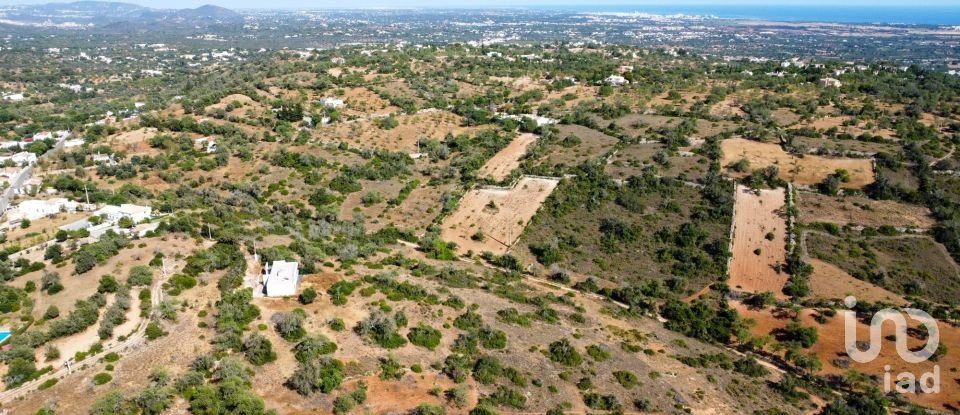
{"type": "Point", "coordinates": [4, 335]}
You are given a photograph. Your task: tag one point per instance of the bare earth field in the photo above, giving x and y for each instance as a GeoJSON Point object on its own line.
{"type": "Point", "coordinates": [501, 225]}
{"type": "Point", "coordinates": [756, 215]}
{"type": "Point", "coordinates": [808, 170]}
{"type": "Point", "coordinates": [830, 347]}
{"type": "Point", "coordinates": [829, 282]}
{"type": "Point", "coordinates": [859, 210]}
{"type": "Point", "coordinates": [366, 134]}
{"type": "Point", "coordinates": [505, 161]}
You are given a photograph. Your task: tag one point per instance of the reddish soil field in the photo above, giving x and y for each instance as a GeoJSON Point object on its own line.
{"type": "Point", "coordinates": [501, 225]}
{"type": "Point", "coordinates": [831, 346]}
{"type": "Point", "coordinates": [508, 159]}
{"type": "Point", "coordinates": [808, 170]}
{"type": "Point", "coordinates": [757, 214]}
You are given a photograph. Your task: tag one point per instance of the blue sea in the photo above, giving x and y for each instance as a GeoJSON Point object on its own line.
{"type": "Point", "coordinates": [916, 15]}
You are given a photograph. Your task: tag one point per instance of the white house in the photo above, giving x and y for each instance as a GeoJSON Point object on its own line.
{"type": "Point", "coordinates": [102, 158]}
{"type": "Point", "coordinates": [541, 121]}
{"type": "Point", "coordinates": [13, 97]}
{"type": "Point", "coordinates": [208, 143]}
{"type": "Point", "coordinates": [281, 279]}
{"type": "Point", "coordinates": [113, 213]}
{"type": "Point", "coordinates": [36, 209]}
{"type": "Point", "coordinates": [22, 158]}
{"type": "Point", "coordinates": [331, 102]}
{"type": "Point", "coordinates": [77, 142]}
{"type": "Point", "coordinates": [43, 135]}
{"type": "Point", "coordinates": [830, 82]}
{"type": "Point", "coordinates": [616, 80]}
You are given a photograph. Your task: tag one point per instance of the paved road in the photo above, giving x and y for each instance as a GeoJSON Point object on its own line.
{"type": "Point", "coordinates": [25, 175]}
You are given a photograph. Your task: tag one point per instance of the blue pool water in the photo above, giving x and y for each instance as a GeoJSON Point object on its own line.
{"type": "Point", "coordinates": [4, 335]}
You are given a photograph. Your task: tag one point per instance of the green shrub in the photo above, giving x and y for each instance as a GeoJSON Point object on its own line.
{"type": "Point", "coordinates": [308, 295]}
{"type": "Point", "coordinates": [154, 331]}
{"type": "Point", "coordinates": [424, 336]}
{"type": "Point", "coordinates": [598, 353]}
{"type": "Point", "coordinates": [561, 351]}
{"type": "Point", "coordinates": [102, 378]}
{"type": "Point", "coordinates": [626, 379]}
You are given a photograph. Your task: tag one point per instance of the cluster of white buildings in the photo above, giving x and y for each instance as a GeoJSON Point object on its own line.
{"type": "Point", "coordinates": [36, 209]}
{"type": "Point", "coordinates": [21, 159]}
{"type": "Point", "coordinates": [43, 135]}
{"type": "Point", "coordinates": [110, 216]}
{"type": "Point", "coordinates": [540, 120]}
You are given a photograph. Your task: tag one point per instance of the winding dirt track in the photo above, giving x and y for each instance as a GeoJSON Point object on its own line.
{"type": "Point", "coordinates": [137, 339]}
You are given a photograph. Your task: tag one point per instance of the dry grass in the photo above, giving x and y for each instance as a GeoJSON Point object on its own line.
{"type": "Point", "coordinates": [505, 161]}
{"type": "Point", "coordinates": [807, 170]}
{"type": "Point", "coordinates": [859, 210]}
{"type": "Point", "coordinates": [831, 347]}
{"type": "Point", "coordinates": [501, 225]}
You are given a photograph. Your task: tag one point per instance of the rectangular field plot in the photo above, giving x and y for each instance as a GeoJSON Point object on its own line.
{"type": "Point", "coordinates": [759, 241]}
{"type": "Point", "coordinates": [490, 219]}
{"type": "Point", "coordinates": [508, 159]}
{"type": "Point", "coordinates": [807, 170]}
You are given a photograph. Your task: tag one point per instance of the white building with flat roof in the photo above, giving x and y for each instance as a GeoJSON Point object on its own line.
{"type": "Point", "coordinates": [22, 158]}
{"type": "Point", "coordinates": [36, 209]}
{"type": "Point", "coordinates": [616, 80]}
{"type": "Point", "coordinates": [332, 102]}
{"type": "Point", "coordinates": [136, 213]}
{"type": "Point", "coordinates": [281, 279]}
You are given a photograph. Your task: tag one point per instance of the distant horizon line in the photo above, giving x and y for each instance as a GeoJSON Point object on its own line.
{"type": "Point", "coordinates": [560, 6]}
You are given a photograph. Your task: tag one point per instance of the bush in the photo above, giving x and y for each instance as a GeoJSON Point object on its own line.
{"type": "Point", "coordinates": [625, 378]}
{"type": "Point", "coordinates": [750, 367]}
{"type": "Point", "coordinates": [308, 296]}
{"type": "Point", "coordinates": [154, 331]}
{"type": "Point", "coordinates": [258, 350]}
{"type": "Point", "coordinates": [108, 284]}
{"type": "Point", "coordinates": [805, 336]}
{"type": "Point", "coordinates": [51, 313]}
{"type": "Point", "coordinates": [492, 339]}
{"type": "Point", "coordinates": [140, 275]}
{"type": "Point", "coordinates": [505, 396]}
{"type": "Point", "coordinates": [340, 290]}
{"type": "Point", "coordinates": [320, 375]}
{"type": "Point", "coordinates": [487, 369]}
{"type": "Point", "coordinates": [313, 347]}
{"type": "Point", "coordinates": [424, 336]}
{"type": "Point", "coordinates": [390, 369]}
{"type": "Point", "coordinates": [598, 353]}
{"type": "Point", "coordinates": [102, 378]}
{"type": "Point", "coordinates": [47, 384]}
{"type": "Point", "coordinates": [602, 402]}
{"type": "Point", "coordinates": [290, 325]}
{"type": "Point", "coordinates": [561, 351]}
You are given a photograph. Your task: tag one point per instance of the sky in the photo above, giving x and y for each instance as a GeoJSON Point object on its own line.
{"type": "Point", "coordinates": [319, 4]}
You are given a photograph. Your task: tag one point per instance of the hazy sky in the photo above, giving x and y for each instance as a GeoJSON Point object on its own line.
{"type": "Point", "coordinates": [489, 3]}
